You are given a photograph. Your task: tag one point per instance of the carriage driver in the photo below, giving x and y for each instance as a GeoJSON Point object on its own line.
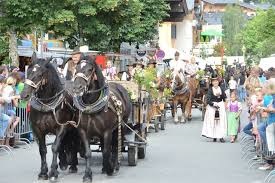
{"type": "Point", "coordinates": [177, 66]}
{"type": "Point", "coordinates": [70, 67]}
{"type": "Point", "coordinates": [191, 68]}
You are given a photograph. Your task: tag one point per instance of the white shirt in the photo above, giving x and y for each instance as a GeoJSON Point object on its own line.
{"type": "Point", "coordinates": [232, 84]}
{"type": "Point", "coordinates": [191, 69]}
{"type": "Point", "coordinates": [177, 65]}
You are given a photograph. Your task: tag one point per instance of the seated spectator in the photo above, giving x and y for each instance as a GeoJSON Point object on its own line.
{"type": "Point", "coordinates": [4, 71]}
{"type": "Point", "coordinates": [110, 72]}
{"type": "Point", "coordinates": [8, 121]}
{"type": "Point", "coordinates": [253, 104]}
{"type": "Point", "coordinates": [270, 129]}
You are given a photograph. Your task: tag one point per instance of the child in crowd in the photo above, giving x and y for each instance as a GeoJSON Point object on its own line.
{"type": "Point", "coordinates": [232, 84]}
{"type": "Point", "coordinates": [234, 110]}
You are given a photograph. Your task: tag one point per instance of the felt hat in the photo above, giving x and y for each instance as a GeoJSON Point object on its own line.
{"type": "Point", "coordinates": [76, 51]}
{"type": "Point", "coordinates": [152, 61]}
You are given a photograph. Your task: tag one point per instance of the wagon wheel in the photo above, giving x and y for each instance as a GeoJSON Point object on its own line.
{"type": "Point", "coordinates": [162, 120]}
{"type": "Point", "coordinates": [142, 152]}
{"type": "Point", "coordinates": [132, 155]}
{"type": "Point", "coordinates": [203, 107]}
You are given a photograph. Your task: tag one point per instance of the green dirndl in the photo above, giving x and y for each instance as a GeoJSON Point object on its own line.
{"type": "Point", "coordinates": [233, 123]}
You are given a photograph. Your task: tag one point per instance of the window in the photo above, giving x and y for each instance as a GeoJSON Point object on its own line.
{"type": "Point", "coordinates": [173, 31]}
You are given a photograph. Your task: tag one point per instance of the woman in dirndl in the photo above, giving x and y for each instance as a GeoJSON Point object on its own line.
{"type": "Point", "coordinates": [215, 121]}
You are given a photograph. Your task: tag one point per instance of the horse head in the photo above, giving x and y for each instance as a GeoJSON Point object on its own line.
{"type": "Point", "coordinates": [35, 76]}
{"type": "Point", "coordinates": [179, 81]}
{"type": "Point", "coordinates": [88, 76]}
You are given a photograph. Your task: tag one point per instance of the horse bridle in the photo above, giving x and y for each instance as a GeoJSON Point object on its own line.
{"type": "Point", "coordinates": [32, 84]}
{"type": "Point", "coordinates": [88, 79]}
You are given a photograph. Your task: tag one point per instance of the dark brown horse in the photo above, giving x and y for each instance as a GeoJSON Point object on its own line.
{"type": "Point", "coordinates": [101, 107]}
{"type": "Point", "coordinates": [181, 96]}
{"type": "Point", "coordinates": [51, 106]}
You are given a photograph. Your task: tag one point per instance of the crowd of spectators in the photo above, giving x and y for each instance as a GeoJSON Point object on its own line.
{"type": "Point", "coordinates": [260, 87]}
{"type": "Point", "coordinates": [11, 85]}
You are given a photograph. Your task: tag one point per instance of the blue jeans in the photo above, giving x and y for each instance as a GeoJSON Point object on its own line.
{"type": "Point", "coordinates": [241, 93]}
{"type": "Point", "coordinates": [262, 131]}
{"type": "Point", "coordinates": [247, 129]}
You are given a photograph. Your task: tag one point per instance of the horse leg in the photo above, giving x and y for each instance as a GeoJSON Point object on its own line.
{"type": "Point", "coordinates": [63, 164]}
{"type": "Point", "coordinates": [176, 118]}
{"type": "Point", "coordinates": [107, 153]}
{"type": "Point", "coordinates": [115, 150]}
{"type": "Point", "coordinates": [88, 156]}
{"type": "Point", "coordinates": [102, 147]}
{"type": "Point", "coordinates": [43, 175]}
{"type": "Point", "coordinates": [188, 107]}
{"type": "Point", "coordinates": [183, 117]}
{"type": "Point", "coordinates": [55, 147]}
{"type": "Point", "coordinates": [73, 149]}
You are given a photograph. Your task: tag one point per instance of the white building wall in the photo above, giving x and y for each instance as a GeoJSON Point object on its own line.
{"type": "Point", "coordinates": [165, 35]}
{"type": "Point", "coordinates": [184, 41]}
{"type": "Point", "coordinates": [184, 35]}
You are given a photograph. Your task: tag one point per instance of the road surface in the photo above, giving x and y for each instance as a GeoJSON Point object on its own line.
{"type": "Point", "coordinates": [177, 155]}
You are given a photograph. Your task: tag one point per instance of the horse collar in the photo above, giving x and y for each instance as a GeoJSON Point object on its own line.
{"type": "Point", "coordinates": [37, 103]}
{"type": "Point", "coordinates": [96, 106]}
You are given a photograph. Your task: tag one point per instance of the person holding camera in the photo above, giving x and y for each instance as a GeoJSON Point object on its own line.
{"type": "Point", "coordinates": [215, 120]}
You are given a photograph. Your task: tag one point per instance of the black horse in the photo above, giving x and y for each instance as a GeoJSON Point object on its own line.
{"type": "Point", "coordinates": [101, 107]}
{"type": "Point", "coordinates": [51, 109]}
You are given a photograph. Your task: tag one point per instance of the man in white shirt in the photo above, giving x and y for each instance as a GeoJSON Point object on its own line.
{"type": "Point", "coordinates": [232, 84]}
{"type": "Point", "coordinates": [177, 65]}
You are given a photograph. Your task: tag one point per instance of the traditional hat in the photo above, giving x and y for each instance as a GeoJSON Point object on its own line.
{"type": "Point", "coordinates": [214, 76]}
{"type": "Point", "coordinates": [152, 61]}
{"type": "Point", "coordinates": [76, 51]}
{"type": "Point", "coordinates": [138, 63]}
{"type": "Point", "coordinates": [129, 65]}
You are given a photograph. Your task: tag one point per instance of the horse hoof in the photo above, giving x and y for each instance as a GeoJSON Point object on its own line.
{"type": "Point", "coordinates": [110, 172]}
{"type": "Point", "coordinates": [87, 179]}
{"type": "Point", "coordinates": [63, 167]}
{"type": "Point", "coordinates": [103, 171]}
{"type": "Point", "coordinates": [53, 179]}
{"type": "Point", "coordinates": [43, 177]}
{"type": "Point", "coordinates": [73, 169]}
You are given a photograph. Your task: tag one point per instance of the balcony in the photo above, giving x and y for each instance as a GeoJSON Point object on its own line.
{"type": "Point", "coordinates": [178, 10]}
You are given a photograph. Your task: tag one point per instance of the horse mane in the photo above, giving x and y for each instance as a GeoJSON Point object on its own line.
{"type": "Point", "coordinates": [98, 71]}
{"type": "Point", "coordinates": [52, 79]}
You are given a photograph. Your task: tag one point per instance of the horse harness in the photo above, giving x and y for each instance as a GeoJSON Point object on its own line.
{"type": "Point", "coordinates": [58, 99]}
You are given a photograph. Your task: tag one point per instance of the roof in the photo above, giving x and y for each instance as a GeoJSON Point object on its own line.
{"type": "Point", "coordinates": [215, 18]}
{"type": "Point", "coordinates": [262, 6]}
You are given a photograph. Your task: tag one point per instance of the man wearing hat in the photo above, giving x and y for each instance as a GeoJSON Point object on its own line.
{"type": "Point", "coordinates": [177, 65]}
{"type": "Point", "coordinates": [152, 63]}
{"type": "Point", "coordinates": [138, 67]}
{"type": "Point", "coordinates": [70, 67]}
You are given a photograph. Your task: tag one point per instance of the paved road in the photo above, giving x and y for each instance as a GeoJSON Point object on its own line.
{"type": "Point", "coordinates": [178, 154]}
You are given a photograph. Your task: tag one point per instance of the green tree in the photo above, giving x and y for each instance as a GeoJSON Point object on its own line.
{"type": "Point", "coordinates": [19, 18]}
{"type": "Point", "coordinates": [258, 35]}
{"type": "Point", "coordinates": [233, 23]}
{"type": "Point", "coordinates": [103, 25]}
